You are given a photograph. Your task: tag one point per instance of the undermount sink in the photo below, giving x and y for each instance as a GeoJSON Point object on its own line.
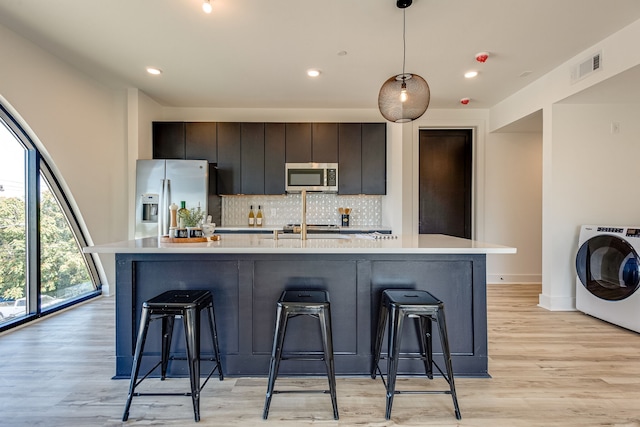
{"type": "Point", "coordinates": [310, 236]}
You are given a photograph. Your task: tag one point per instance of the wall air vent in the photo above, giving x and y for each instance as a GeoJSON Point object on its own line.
{"type": "Point", "coordinates": [586, 67]}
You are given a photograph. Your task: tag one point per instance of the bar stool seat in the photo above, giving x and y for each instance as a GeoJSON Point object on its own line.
{"type": "Point", "coordinates": [296, 303]}
{"type": "Point", "coordinates": [396, 305]}
{"type": "Point", "coordinates": [188, 304]}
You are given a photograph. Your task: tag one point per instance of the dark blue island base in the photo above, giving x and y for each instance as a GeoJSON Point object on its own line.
{"type": "Point", "coordinates": [245, 289]}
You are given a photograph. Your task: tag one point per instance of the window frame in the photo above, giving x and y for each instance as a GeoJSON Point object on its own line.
{"type": "Point", "coordinates": [36, 165]}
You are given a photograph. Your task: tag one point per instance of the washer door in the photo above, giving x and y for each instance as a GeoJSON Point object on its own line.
{"type": "Point", "coordinates": [608, 267]}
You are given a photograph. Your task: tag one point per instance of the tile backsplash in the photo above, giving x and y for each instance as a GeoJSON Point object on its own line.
{"type": "Point", "coordinates": [322, 208]}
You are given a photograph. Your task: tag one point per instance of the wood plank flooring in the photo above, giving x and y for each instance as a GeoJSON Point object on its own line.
{"type": "Point", "coordinates": [547, 368]}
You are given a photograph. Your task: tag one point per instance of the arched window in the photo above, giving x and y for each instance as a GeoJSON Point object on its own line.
{"type": "Point", "coordinates": [42, 266]}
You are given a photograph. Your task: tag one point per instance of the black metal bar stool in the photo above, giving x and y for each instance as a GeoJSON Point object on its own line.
{"type": "Point", "coordinates": [296, 303]}
{"type": "Point", "coordinates": [166, 306]}
{"type": "Point", "coordinates": [395, 306]}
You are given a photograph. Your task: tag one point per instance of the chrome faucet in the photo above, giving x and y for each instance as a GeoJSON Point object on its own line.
{"type": "Point", "coordinates": [303, 219]}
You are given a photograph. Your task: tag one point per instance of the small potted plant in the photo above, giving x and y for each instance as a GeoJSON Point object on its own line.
{"type": "Point", "coordinates": [191, 219]}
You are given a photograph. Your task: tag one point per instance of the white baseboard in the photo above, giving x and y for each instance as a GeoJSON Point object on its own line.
{"type": "Point", "coordinates": [557, 303]}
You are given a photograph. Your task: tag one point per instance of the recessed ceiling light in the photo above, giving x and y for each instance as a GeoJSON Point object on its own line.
{"type": "Point", "coordinates": [342, 53]}
{"type": "Point", "coordinates": [153, 70]}
{"type": "Point", "coordinates": [313, 73]}
{"type": "Point", "coordinates": [470, 74]}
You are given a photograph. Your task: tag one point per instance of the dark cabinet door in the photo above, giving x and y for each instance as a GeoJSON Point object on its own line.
{"type": "Point", "coordinates": [274, 156]}
{"type": "Point", "coordinates": [350, 158]}
{"type": "Point", "coordinates": [229, 180]}
{"type": "Point", "coordinates": [298, 142]}
{"type": "Point", "coordinates": [201, 141]}
{"type": "Point", "coordinates": [168, 140]}
{"type": "Point", "coordinates": [324, 145]}
{"type": "Point", "coordinates": [252, 158]}
{"type": "Point", "coordinates": [374, 158]}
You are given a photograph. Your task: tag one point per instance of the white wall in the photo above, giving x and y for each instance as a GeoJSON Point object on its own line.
{"type": "Point", "coordinates": [514, 205]}
{"type": "Point", "coordinates": [568, 137]}
{"type": "Point", "coordinates": [594, 176]}
{"type": "Point", "coordinates": [81, 125]}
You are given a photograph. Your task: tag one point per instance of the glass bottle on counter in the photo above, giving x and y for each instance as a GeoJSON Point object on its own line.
{"type": "Point", "coordinates": [252, 217]}
{"type": "Point", "coordinates": [259, 217]}
{"type": "Point", "coordinates": [182, 213]}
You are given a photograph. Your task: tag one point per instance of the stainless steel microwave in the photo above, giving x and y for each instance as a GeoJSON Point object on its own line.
{"type": "Point", "coordinates": [311, 177]}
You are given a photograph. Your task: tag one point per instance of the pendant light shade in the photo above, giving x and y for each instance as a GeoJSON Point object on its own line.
{"type": "Point", "coordinates": [404, 97]}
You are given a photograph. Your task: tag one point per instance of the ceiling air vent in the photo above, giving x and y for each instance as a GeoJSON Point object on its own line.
{"type": "Point", "coordinates": [586, 67]}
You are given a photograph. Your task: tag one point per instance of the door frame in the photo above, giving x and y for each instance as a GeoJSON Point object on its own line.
{"type": "Point", "coordinates": [477, 174]}
{"type": "Point", "coordinates": [467, 212]}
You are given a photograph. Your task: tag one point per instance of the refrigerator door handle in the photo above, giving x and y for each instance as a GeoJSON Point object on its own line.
{"type": "Point", "coordinates": [163, 215]}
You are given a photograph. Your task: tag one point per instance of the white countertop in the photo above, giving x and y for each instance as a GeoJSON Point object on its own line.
{"type": "Point", "coordinates": [317, 244]}
{"type": "Point", "coordinates": [271, 228]}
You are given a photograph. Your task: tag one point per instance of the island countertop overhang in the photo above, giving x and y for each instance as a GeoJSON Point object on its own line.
{"type": "Point", "coordinates": [266, 244]}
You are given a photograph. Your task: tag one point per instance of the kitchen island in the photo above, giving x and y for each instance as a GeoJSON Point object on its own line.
{"type": "Point", "coordinates": [246, 274]}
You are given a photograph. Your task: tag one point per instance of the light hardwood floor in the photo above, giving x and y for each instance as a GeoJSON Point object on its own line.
{"type": "Point", "coordinates": [547, 368]}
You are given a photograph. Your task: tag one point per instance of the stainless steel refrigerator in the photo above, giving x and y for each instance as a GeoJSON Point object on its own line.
{"type": "Point", "coordinates": [159, 183]}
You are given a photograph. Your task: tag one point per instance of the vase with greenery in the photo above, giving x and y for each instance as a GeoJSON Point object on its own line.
{"type": "Point", "coordinates": [191, 217]}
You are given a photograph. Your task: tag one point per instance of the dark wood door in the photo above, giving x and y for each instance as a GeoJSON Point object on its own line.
{"type": "Point", "coordinates": [374, 158]}
{"type": "Point", "coordinates": [324, 142]}
{"type": "Point", "coordinates": [274, 143]}
{"type": "Point", "coordinates": [252, 158]}
{"type": "Point", "coordinates": [201, 141]}
{"type": "Point", "coordinates": [350, 158]}
{"type": "Point", "coordinates": [298, 142]}
{"type": "Point", "coordinates": [168, 140]}
{"type": "Point", "coordinates": [445, 182]}
{"type": "Point", "coordinates": [229, 158]}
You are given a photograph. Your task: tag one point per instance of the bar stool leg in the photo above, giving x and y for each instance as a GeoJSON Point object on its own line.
{"type": "Point", "coordinates": [137, 359]}
{"type": "Point", "coordinates": [396, 320]}
{"type": "Point", "coordinates": [192, 335]}
{"type": "Point", "coordinates": [426, 344]}
{"type": "Point", "coordinates": [167, 334]}
{"type": "Point", "coordinates": [324, 316]}
{"type": "Point", "coordinates": [444, 339]}
{"type": "Point", "coordinates": [276, 355]}
{"type": "Point", "coordinates": [214, 339]}
{"type": "Point", "coordinates": [382, 320]}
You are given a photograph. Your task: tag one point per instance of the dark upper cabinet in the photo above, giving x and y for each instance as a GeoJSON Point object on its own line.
{"type": "Point", "coordinates": [274, 156]}
{"type": "Point", "coordinates": [168, 140]}
{"type": "Point", "coordinates": [362, 166]}
{"type": "Point", "coordinates": [229, 179]}
{"type": "Point", "coordinates": [324, 142]}
{"type": "Point", "coordinates": [252, 158]}
{"type": "Point", "coordinates": [297, 142]}
{"type": "Point", "coordinates": [374, 158]}
{"type": "Point", "coordinates": [201, 141]}
{"type": "Point", "coordinates": [350, 158]}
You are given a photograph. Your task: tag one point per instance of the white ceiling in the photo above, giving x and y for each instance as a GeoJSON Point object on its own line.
{"type": "Point", "coordinates": [254, 53]}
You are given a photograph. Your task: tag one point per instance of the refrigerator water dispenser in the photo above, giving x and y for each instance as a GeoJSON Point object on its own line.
{"type": "Point", "coordinates": [150, 207]}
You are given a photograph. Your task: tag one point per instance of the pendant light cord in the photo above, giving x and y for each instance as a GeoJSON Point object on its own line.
{"type": "Point", "coordinates": [404, 39]}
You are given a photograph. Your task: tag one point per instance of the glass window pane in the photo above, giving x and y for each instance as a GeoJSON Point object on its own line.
{"type": "Point", "coordinates": [63, 270]}
{"type": "Point", "coordinates": [12, 226]}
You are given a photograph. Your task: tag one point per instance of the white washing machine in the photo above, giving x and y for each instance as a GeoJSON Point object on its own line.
{"type": "Point", "coordinates": [608, 267]}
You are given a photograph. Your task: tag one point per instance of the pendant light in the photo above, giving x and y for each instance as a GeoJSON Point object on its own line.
{"type": "Point", "coordinates": [404, 97]}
